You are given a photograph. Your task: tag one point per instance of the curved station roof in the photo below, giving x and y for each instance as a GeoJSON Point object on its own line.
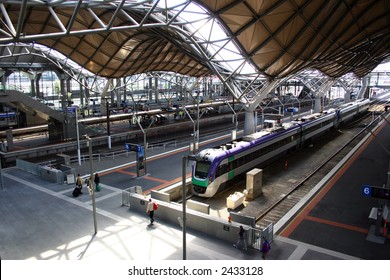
{"type": "Point", "coordinates": [285, 36]}
{"type": "Point", "coordinates": [271, 39]}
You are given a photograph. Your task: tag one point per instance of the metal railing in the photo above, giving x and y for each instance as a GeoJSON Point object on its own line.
{"type": "Point", "coordinates": [163, 144]}
{"type": "Point", "coordinates": [256, 236]}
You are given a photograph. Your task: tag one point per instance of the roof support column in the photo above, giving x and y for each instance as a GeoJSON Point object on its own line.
{"type": "Point", "coordinates": [124, 89]}
{"type": "Point", "coordinates": [320, 96]}
{"type": "Point", "coordinates": [347, 97]}
{"type": "Point", "coordinates": [317, 104]}
{"type": "Point", "coordinates": [153, 87]}
{"type": "Point", "coordinates": [156, 95]}
{"type": "Point", "coordinates": [69, 91]}
{"type": "Point", "coordinates": [250, 108]}
{"type": "Point", "coordinates": [250, 122]}
{"type": "Point", "coordinates": [87, 93]}
{"type": "Point", "coordinates": [63, 91]}
{"type": "Point", "coordinates": [105, 97]}
{"type": "Point", "coordinates": [81, 95]}
{"type": "Point", "coordinates": [32, 83]}
{"type": "Point", "coordinates": [3, 79]}
{"type": "Point", "coordinates": [36, 82]}
{"type": "Point", "coordinates": [363, 89]}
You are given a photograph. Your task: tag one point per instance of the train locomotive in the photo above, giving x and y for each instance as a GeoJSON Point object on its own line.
{"type": "Point", "coordinates": [217, 165]}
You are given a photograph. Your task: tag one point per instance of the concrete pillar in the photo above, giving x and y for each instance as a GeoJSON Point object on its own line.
{"type": "Point", "coordinates": [81, 96]}
{"type": "Point", "coordinates": [210, 86]}
{"type": "Point", "coordinates": [363, 89]}
{"type": "Point", "coordinates": [32, 85]}
{"type": "Point", "coordinates": [36, 82]}
{"type": "Point", "coordinates": [2, 83]}
{"type": "Point", "coordinates": [124, 89]}
{"type": "Point", "coordinates": [87, 92]}
{"type": "Point", "coordinates": [10, 139]}
{"type": "Point", "coordinates": [68, 86]}
{"type": "Point", "coordinates": [63, 92]}
{"type": "Point", "coordinates": [317, 104]}
{"type": "Point", "coordinates": [155, 90]}
{"type": "Point", "coordinates": [254, 183]}
{"type": "Point", "coordinates": [250, 122]}
{"type": "Point", "coordinates": [347, 97]}
{"type": "Point", "coordinates": [150, 89]}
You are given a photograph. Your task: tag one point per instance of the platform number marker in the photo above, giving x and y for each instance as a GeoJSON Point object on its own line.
{"type": "Point", "coordinates": [366, 190]}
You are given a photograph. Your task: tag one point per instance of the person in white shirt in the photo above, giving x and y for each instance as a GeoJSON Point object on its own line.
{"type": "Point", "coordinates": [150, 210]}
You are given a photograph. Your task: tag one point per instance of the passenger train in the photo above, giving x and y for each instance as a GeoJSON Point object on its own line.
{"type": "Point", "coordinates": [216, 166]}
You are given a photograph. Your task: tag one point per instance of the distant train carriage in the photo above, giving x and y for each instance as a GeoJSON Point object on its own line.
{"type": "Point", "coordinates": [8, 119]}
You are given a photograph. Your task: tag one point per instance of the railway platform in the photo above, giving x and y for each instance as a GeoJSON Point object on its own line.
{"type": "Point", "coordinates": [42, 221]}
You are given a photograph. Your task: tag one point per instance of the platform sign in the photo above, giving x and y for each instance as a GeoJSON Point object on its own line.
{"type": "Point", "coordinates": [140, 151]}
{"type": "Point", "coordinates": [291, 109]}
{"type": "Point", "coordinates": [139, 155]}
{"type": "Point", "coordinates": [131, 147]}
{"type": "Point", "coordinates": [366, 190]}
{"type": "Point", "coordinates": [71, 109]}
{"type": "Point", "coordinates": [377, 192]}
{"type": "Point", "coordinates": [380, 192]}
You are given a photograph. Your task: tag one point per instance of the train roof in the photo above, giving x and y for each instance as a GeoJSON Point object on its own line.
{"type": "Point", "coordinates": [210, 154]}
{"type": "Point", "coordinates": [230, 148]}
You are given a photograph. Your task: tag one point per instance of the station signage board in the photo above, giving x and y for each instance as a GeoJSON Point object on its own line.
{"type": "Point", "coordinates": [376, 192]}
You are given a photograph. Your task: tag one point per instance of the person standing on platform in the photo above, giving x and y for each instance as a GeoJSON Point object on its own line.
{"type": "Point", "coordinates": [265, 248]}
{"type": "Point", "coordinates": [241, 238]}
{"type": "Point", "coordinates": [79, 183]}
{"type": "Point", "coordinates": [97, 182]}
{"type": "Point", "coordinates": [150, 210]}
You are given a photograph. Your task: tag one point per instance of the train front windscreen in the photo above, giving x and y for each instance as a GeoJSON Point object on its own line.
{"type": "Point", "coordinates": [202, 169]}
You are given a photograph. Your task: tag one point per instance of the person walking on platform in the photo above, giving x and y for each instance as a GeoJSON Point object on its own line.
{"type": "Point", "coordinates": [265, 248]}
{"type": "Point", "coordinates": [241, 238]}
{"type": "Point", "coordinates": [150, 210]}
{"type": "Point", "coordinates": [97, 182]}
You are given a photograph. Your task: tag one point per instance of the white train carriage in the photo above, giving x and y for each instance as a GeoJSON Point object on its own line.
{"type": "Point", "coordinates": [218, 165]}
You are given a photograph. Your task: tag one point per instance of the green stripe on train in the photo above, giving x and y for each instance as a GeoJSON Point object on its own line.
{"type": "Point", "coordinates": [231, 174]}
{"type": "Point", "coordinates": [200, 183]}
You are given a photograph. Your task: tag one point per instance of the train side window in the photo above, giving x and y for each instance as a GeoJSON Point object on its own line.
{"type": "Point", "coordinates": [221, 170]}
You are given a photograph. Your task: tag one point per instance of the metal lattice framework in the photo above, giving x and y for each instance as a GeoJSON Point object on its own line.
{"type": "Point", "coordinates": [251, 46]}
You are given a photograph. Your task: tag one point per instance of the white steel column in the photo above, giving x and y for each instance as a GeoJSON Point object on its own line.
{"type": "Point", "coordinates": [250, 122]}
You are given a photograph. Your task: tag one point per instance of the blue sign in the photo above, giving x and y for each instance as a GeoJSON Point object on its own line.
{"type": "Point", "coordinates": [291, 109]}
{"type": "Point", "coordinates": [366, 190]}
{"type": "Point", "coordinates": [135, 148]}
{"type": "Point", "coordinates": [71, 109]}
{"type": "Point", "coordinates": [140, 151]}
{"type": "Point", "coordinates": [131, 147]}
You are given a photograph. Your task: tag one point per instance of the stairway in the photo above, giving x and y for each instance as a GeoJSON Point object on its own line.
{"type": "Point", "coordinates": [28, 104]}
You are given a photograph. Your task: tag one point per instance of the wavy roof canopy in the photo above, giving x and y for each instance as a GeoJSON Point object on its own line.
{"type": "Point", "coordinates": [105, 39]}
{"type": "Point", "coordinates": [278, 37]}
{"type": "Point", "coordinates": [282, 37]}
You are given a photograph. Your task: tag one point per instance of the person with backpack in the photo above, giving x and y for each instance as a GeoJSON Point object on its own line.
{"type": "Point", "coordinates": [150, 208]}
{"type": "Point", "coordinates": [265, 248]}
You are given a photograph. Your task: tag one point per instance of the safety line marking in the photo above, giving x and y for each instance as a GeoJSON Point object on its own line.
{"type": "Point", "coordinates": [337, 224]}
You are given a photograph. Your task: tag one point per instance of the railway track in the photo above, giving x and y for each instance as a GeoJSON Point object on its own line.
{"type": "Point", "coordinates": [288, 200]}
